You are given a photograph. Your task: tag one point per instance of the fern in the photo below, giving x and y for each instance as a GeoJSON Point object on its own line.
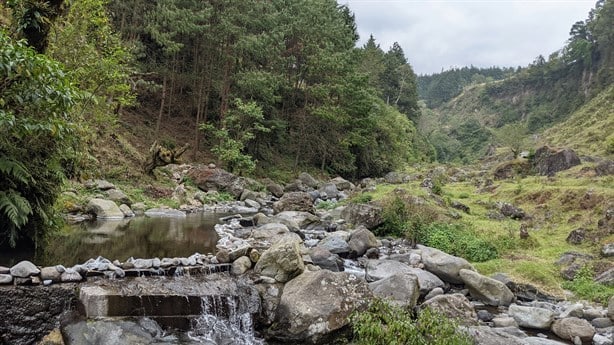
{"type": "Point", "coordinates": [15, 207]}
{"type": "Point", "coordinates": [14, 170]}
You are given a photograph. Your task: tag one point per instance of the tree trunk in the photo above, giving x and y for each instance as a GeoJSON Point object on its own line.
{"type": "Point", "coordinates": [161, 107]}
{"type": "Point", "coordinates": [161, 156]}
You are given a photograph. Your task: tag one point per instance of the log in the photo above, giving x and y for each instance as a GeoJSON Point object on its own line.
{"type": "Point", "coordinates": [161, 156]}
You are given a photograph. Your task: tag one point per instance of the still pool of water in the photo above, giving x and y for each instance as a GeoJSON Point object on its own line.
{"type": "Point", "coordinates": [140, 237]}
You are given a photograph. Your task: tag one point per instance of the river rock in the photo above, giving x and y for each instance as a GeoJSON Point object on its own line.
{"type": "Point", "coordinates": [100, 184]}
{"type": "Point", "coordinates": [269, 232]}
{"type": "Point", "coordinates": [274, 188]}
{"type": "Point", "coordinates": [400, 289]}
{"type": "Point", "coordinates": [165, 212]}
{"type": "Point", "coordinates": [484, 335]}
{"type": "Point", "coordinates": [603, 339]}
{"type": "Point", "coordinates": [24, 269]}
{"type": "Point", "coordinates": [335, 244]}
{"type": "Point", "coordinates": [361, 240]}
{"type": "Point", "coordinates": [308, 180]}
{"type": "Point", "coordinates": [548, 161]}
{"type": "Point", "coordinates": [380, 269]}
{"type": "Point", "coordinates": [504, 321]}
{"type": "Point", "coordinates": [218, 180]}
{"type": "Point", "coordinates": [602, 322]}
{"type": "Point", "coordinates": [294, 201]}
{"type": "Point", "coordinates": [363, 214]}
{"type": "Point", "coordinates": [118, 196]}
{"type": "Point", "coordinates": [606, 278]}
{"type": "Point", "coordinates": [5, 270]}
{"type": "Point", "coordinates": [103, 332]}
{"type": "Point", "coordinates": [531, 317]}
{"type": "Point", "coordinates": [104, 209]}
{"type": "Point", "coordinates": [454, 306]}
{"type": "Point", "coordinates": [487, 290]}
{"type": "Point", "coordinates": [6, 279]}
{"type": "Point", "coordinates": [444, 265]}
{"type": "Point", "coordinates": [241, 265]}
{"type": "Point", "coordinates": [316, 303]}
{"type": "Point", "coordinates": [302, 219]}
{"type": "Point", "coordinates": [323, 258]}
{"type": "Point", "coordinates": [572, 327]}
{"type": "Point", "coordinates": [70, 275]}
{"type": "Point", "coordinates": [435, 292]}
{"type": "Point", "coordinates": [51, 273]}
{"type": "Point", "coordinates": [329, 190]}
{"type": "Point", "coordinates": [126, 210]}
{"type": "Point", "coordinates": [283, 261]}
{"type": "Point", "coordinates": [342, 184]}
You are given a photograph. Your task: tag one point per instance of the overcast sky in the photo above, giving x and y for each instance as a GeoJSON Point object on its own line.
{"type": "Point", "coordinates": [436, 34]}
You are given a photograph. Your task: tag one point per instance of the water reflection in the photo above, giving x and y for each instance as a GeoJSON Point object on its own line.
{"type": "Point", "coordinates": [141, 237]}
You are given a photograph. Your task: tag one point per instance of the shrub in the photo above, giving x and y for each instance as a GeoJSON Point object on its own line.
{"type": "Point", "coordinates": [585, 287]}
{"type": "Point", "coordinates": [457, 240]}
{"type": "Point", "coordinates": [405, 218]}
{"type": "Point", "coordinates": [383, 323]}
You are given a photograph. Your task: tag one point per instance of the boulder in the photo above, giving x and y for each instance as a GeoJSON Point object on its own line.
{"type": "Point", "coordinates": [126, 210]}
{"type": "Point", "coordinates": [294, 201]}
{"type": "Point", "coordinates": [401, 289]}
{"type": "Point", "coordinates": [105, 332]}
{"type": "Point", "coordinates": [329, 190]}
{"type": "Point", "coordinates": [572, 327]}
{"type": "Point", "coordinates": [335, 244]}
{"type": "Point", "coordinates": [217, 180]}
{"type": "Point", "coordinates": [487, 290]}
{"type": "Point", "coordinates": [485, 335]}
{"type": "Point", "coordinates": [363, 214]}
{"type": "Point", "coordinates": [361, 240]}
{"type": "Point", "coordinates": [302, 219]}
{"type": "Point", "coordinates": [6, 279]}
{"type": "Point", "coordinates": [394, 177]}
{"type": "Point", "coordinates": [381, 269]}
{"type": "Point", "coordinates": [308, 180]}
{"type": "Point", "coordinates": [342, 184]}
{"type": "Point", "coordinates": [511, 211]}
{"type": "Point", "coordinates": [104, 209]}
{"type": "Point", "coordinates": [611, 308]}
{"type": "Point", "coordinates": [576, 236]}
{"type": "Point", "coordinates": [316, 303]}
{"type": "Point", "coordinates": [604, 168]}
{"type": "Point", "coordinates": [24, 269]}
{"type": "Point", "coordinates": [283, 261]}
{"type": "Point", "coordinates": [165, 212]}
{"type": "Point", "coordinates": [323, 258]}
{"type": "Point", "coordinates": [444, 265]}
{"type": "Point", "coordinates": [454, 306]}
{"type": "Point", "coordinates": [269, 232]}
{"type": "Point", "coordinates": [51, 273]}
{"type": "Point", "coordinates": [607, 250]}
{"type": "Point", "coordinates": [100, 184]}
{"type": "Point", "coordinates": [547, 161]}
{"type": "Point", "coordinates": [275, 189]}
{"type": "Point", "coordinates": [606, 278]}
{"type": "Point", "coordinates": [531, 317]}
{"type": "Point", "coordinates": [241, 265]}
{"type": "Point", "coordinates": [118, 196]}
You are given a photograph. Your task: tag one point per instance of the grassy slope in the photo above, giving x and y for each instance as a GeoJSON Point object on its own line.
{"type": "Point", "coordinates": [590, 130]}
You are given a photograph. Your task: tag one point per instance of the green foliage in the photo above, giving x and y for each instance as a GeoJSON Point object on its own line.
{"type": "Point", "coordinates": [36, 130]}
{"type": "Point", "coordinates": [385, 324]}
{"type": "Point", "coordinates": [362, 198]}
{"type": "Point", "coordinates": [458, 240]}
{"type": "Point", "coordinates": [405, 218]}
{"type": "Point", "coordinates": [585, 287]}
{"type": "Point", "coordinates": [326, 205]}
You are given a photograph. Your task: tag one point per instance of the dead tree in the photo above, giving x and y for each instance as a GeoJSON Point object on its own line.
{"type": "Point", "coordinates": [161, 156]}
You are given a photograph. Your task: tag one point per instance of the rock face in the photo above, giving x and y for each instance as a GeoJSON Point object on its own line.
{"type": "Point", "coordinates": [283, 261]}
{"type": "Point", "coordinates": [316, 303]}
{"type": "Point", "coordinates": [400, 289]}
{"type": "Point", "coordinates": [363, 214]}
{"type": "Point", "coordinates": [531, 317]}
{"type": "Point", "coordinates": [443, 265]}
{"type": "Point", "coordinates": [572, 327]}
{"type": "Point", "coordinates": [104, 209]}
{"type": "Point", "coordinates": [488, 290]}
{"type": "Point", "coordinates": [454, 306]}
{"type": "Point", "coordinates": [294, 201]}
{"type": "Point", "coordinates": [548, 161]}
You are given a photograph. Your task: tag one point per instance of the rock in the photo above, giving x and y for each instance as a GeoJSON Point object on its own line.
{"type": "Point", "coordinates": [599, 339]}
{"type": "Point", "coordinates": [602, 322]}
{"type": "Point", "coordinates": [275, 189]}
{"type": "Point", "coordinates": [394, 177]}
{"type": "Point", "coordinates": [548, 161]}
{"type": "Point", "coordinates": [218, 180]}
{"type": "Point", "coordinates": [252, 204]}
{"type": "Point", "coordinates": [316, 303]}
{"type": "Point", "coordinates": [105, 332]}
{"type": "Point", "coordinates": [572, 327]}
{"type": "Point", "coordinates": [241, 265]}
{"type": "Point", "coordinates": [100, 184]}
{"type": "Point", "coordinates": [342, 184]}
{"type": "Point", "coordinates": [606, 278]}
{"type": "Point", "coordinates": [604, 168]}
{"type": "Point", "coordinates": [400, 289]}
{"type": "Point", "coordinates": [70, 275]}
{"type": "Point", "coordinates": [283, 261]}
{"type": "Point", "coordinates": [444, 265]}
{"type": "Point", "coordinates": [24, 269]}
{"type": "Point", "coordinates": [576, 236]}
{"type": "Point", "coordinates": [118, 196]}
{"type": "Point", "coordinates": [302, 219]}
{"type": "Point", "coordinates": [6, 279]}
{"type": "Point", "coordinates": [308, 180]}
{"type": "Point", "coordinates": [380, 269]}
{"type": "Point", "coordinates": [4, 270]}
{"type": "Point", "coordinates": [324, 259]}
{"type": "Point", "coordinates": [363, 214]}
{"type": "Point", "coordinates": [454, 306]}
{"type": "Point", "coordinates": [335, 244]}
{"type": "Point", "coordinates": [511, 169]}
{"type": "Point", "coordinates": [484, 335]}
{"type": "Point", "coordinates": [487, 290]}
{"type": "Point", "coordinates": [611, 308]}
{"type": "Point", "coordinates": [361, 240]}
{"type": "Point", "coordinates": [126, 210]}
{"type": "Point", "coordinates": [607, 250]}
{"type": "Point", "coordinates": [165, 212]}
{"type": "Point", "coordinates": [104, 209]}
{"type": "Point", "coordinates": [531, 317]}
{"type": "Point", "coordinates": [606, 223]}
{"type": "Point", "coordinates": [435, 292]}
{"type": "Point", "coordinates": [330, 190]}
{"type": "Point", "coordinates": [460, 206]}
{"type": "Point", "coordinates": [427, 183]}
{"type": "Point", "coordinates": [574, 310]}
{"type": "Point", "coordinates": [294, 201]}
{"type": "Point", "coordinates": [53, 338]}
{"type": "Point", "coordinates": [138, 208]}
{"type": "Point", "coordinates": [269, 232]}
{"type": "Point", "coordinates": [254, 255]}
{"type": "Point", "coordinates": [51, 273]}
{"type": "Point", "coordinates": [511, 211]}
{"type": "Point", "coordinates": [504, 321]}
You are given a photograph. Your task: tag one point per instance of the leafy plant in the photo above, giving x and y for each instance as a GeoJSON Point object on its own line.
{"type": "Point", "coordinates": [458, 240]}
{"type": "Point", "coordinates": [585, 287]}
{"type": "Point", "coordinates": [385, 324]}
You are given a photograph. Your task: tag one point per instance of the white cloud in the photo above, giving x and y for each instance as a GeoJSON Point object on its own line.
{"type": "Point", "coordinates": [438, 34]}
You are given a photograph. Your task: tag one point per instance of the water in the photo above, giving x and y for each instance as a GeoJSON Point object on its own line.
{"type": "Point", "coordinates": [140, 237]}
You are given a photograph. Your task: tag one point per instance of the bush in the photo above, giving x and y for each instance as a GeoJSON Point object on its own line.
{"type": "Point", "coordinates": [383, 323]}
{"type": "Point", "coordinates": [457, 240]}
{"type": "Point", "coordinates": [585, 287]}
{"type": "Point", "coordinates": [404, 218]}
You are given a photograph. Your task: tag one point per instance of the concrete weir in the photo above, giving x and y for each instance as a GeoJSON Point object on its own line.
{"type": "Point", "coordinates": [173, 302]}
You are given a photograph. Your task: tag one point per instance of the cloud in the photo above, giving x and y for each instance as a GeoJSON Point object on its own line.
{"type": "Point", "coordinates": [436, 34]}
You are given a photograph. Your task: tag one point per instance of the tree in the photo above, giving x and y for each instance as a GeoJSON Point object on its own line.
{"type": "Point", "coordinates": [513, 136]}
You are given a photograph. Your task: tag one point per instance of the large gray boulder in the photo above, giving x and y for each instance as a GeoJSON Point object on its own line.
{"type": "Point", "coordinates": [283, 261]}
{"type": "Point", "coordinates": [363, 214]}
{"type": "Point", "coordinates": [328, 191]}
{"type": "Point", "coordinates": [104, 209]}
{"type": "Point", "coordinates": [24, 269]}
{"type": "Point", "coordinates": [269, 232]}
{"type": "Point", "coordinates": [531, 317]}
{"type": "Point", "coordinates": [606, 278]}
{"type": "Point", "coordinates": [218, 180]}
{"type": "Point", "coordinates": [342, 184]}
{"type": "Point", "coordinates": [361, 240]}
{"type": "Point", "coordinates": [401, 289]}
{"type": "Point", "coordinates": [381, 269]}
{"type": "Point", "coordinates": [335, 244]}
{"type": "Point", "coordinates": [118, 196]}
{"type": "Point", "coordinates": [571, 327]}
{"type": "Point", "coordinates": [165, 213]}
{"type": "Point", "coordinates": [294, 201]}
{"type": "Point", "coordinates": [454, 306]}
{"type": "Point", "coordinates": [308, 180]}
{"type": "Point", "coordinates": [487, 290]}
{"type": "Point", "coordinates": [484, 335]}
{"type": "Point", "coordinates": [547, 161]}
{"type": "Point", "coordinates": [301, 219]}
{"type": "Point", "coordinates": [443, 265]}
{"type": "Point", "coordinates": [323, 258]}
{"type": "Point", "coordinates": [316, 303]}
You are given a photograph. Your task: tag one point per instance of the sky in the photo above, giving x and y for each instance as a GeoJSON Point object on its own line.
{"type": "Point", "coordinates": [441, 34]}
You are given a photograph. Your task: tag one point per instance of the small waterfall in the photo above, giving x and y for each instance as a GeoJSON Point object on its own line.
{"type": "Point", "coordinates": [224, 320]}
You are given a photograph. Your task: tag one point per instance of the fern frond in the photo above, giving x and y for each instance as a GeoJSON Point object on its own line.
{"type": "Point", "coordinates": [15, 207]}
{"type": "Point", "coordinates": [14, 170]}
